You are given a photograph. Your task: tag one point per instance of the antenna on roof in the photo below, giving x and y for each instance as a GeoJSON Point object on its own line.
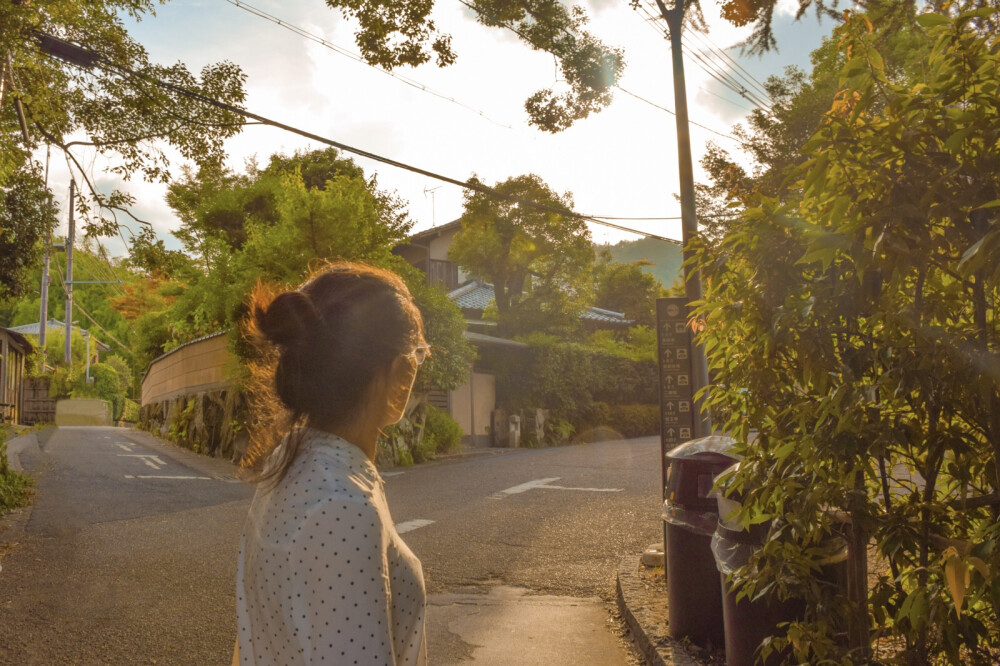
{"type": "Point", "coordinates": [431, 191]}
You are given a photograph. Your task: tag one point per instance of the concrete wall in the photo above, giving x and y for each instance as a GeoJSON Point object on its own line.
{"type": "Point", "coordinates": [472, 404]}
{"type": "Point", "coordinates": [83, 412]}
{"type": "Point", "coordinates": [187, 398]}
{"type": "Point", "coordinates": [195, 367]}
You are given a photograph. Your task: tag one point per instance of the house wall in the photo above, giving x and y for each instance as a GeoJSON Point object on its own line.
{"type": "Point", "coordinates": [11, 379]}
{"type": "Point", "coordinates": [192, 368]}
{"type": "Point", "coordinates": [439, 246]}
{"type": "Point", "coordinates": [472, 403]}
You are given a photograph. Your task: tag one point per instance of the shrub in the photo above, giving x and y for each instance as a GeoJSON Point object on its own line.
{"type": "Point", "coordinates": [130, 413]}
{"type": "Point", "coordinates": [627, 420]}
{"type": "Point", "coordinates": [441, 432]}
{"type": "Point", "coordinates": [15, 488]}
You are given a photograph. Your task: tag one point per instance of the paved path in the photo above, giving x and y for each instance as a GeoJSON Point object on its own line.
{"type": "Point", "coordinates": [129, 553]}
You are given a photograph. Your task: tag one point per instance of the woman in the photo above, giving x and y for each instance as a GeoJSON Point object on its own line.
{"type": "Point", "coordinates": [322, 575]}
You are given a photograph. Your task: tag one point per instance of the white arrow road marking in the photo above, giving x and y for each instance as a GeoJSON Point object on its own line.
{"type": "Point", "coordinates": [591, 490]}
{"type": "Point", "coordinates": [148, 459]}
{"type": "Point", "coordinates": [545, 484]}
{"type": "Point", "coordinates": [166, 476]}
{"type": "Point", "coordinates": [124, 446]}
{"type": "Point", "coordinates": [410, 525]}
{"type": "Point", "coordinates": [525, 487]}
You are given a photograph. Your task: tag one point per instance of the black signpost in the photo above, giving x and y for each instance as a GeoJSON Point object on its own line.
{"type": "Point", "coordinates": [677, 410]}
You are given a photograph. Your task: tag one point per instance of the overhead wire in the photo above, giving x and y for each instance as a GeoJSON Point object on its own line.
{"type": "Point", "coordinates": [467, 185]}
{"type": "Point", "coordinates": [77, 306]}
{"type": "Point", "coordinates": [357, 58]}
{"type": "Point", "coordinates": [650, 17]}
{"type": "Point", "coordinates": [739, 69]}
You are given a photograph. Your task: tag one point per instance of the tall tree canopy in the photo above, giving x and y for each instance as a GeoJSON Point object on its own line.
{"type": "Point", "coordinates": [106, 101]}
{"type": "Point", "coordinates": [392, 34]}
{"type": "Point", "coordinates": [539, 261]}
{"type": "Point", "coordinates": [27, 215]}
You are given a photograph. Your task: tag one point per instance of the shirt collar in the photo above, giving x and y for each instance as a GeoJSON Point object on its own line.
{"type": "Point", "coordinates": [352, 455]}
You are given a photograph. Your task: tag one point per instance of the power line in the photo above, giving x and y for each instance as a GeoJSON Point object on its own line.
{"type": "Point", "coordinates": [99, 61]}
{"type": "Point", "coordinates": [650, 20]}
{"type": "Point", "coordinates": [357, 58]}
{"type": "Point", "coordinates": [77, 306]}
{"type": "Point", "coordinates": [745, 75]}
{"type": "Point", "coordinates": [673, 113]}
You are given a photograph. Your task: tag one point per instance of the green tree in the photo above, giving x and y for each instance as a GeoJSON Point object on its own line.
{"type": "Point", "coordinates": [851, 321]}
{"type": "Point", "coordinates": [98, 99]}
{"type": "Point", "coordinates": [539, 261]}
{"type": "Point", "coordinates": [625, 287]}
{"type": "Point", "coordinates": [27, 216]}
{"type": "Point", "coordinates": [392, 34]}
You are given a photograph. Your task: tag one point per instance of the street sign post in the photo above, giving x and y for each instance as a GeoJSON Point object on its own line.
{"type": "Point", "coordinates": [677, 410]}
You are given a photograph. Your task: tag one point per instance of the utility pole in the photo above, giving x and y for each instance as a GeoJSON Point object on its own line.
{"type": "Point", "coordinates": [70, 239]}
{"type": "Point", "coordinates": [44, 317]}
{"type": "Point", "coordinates": [689, 216]}
{"type": "Point", "coordinates": [45, 297]}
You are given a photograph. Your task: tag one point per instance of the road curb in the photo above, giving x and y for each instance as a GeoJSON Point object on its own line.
{"type": "Point", "coordinates": [18, 445]}
{"type": "Point", "coordinates": [644, 609]}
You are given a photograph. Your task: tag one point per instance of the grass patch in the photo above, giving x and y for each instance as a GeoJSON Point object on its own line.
{"type": "Point", "coordinates": [15, 487]}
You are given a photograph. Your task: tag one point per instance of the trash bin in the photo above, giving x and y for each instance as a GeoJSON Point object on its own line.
{"type": "Point", "coordinates": [747, 623]}
{"type": "Point", "coordinates": [694, 594]}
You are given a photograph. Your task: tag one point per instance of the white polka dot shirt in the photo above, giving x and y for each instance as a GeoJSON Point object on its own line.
{"type": "Point", "coordinates": [322, 576]}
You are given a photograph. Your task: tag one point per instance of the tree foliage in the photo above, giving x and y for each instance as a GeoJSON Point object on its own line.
{"type": "Point", "coordinates": [393, 34]}
{"type": "Point", "coordinates": [851, 321]}
{"type": "Point", "coordinates": [539, 261]}
{"type": "Point", "coordinates": [112, 104]}
{"type": "Point", "coordinates": [27, 216]}
{"type": "Point", "coordinates": [625, 287]}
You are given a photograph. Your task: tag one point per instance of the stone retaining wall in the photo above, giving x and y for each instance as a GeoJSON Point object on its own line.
{"type": "Point", "coordinates": [208, 422]}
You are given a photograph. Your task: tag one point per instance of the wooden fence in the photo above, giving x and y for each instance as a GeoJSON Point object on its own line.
{"type": "Point", "coordinates": [38, 406]}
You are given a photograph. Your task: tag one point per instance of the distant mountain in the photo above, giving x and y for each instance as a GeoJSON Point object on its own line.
{"type": "Point", "coordinates": [666, 257]}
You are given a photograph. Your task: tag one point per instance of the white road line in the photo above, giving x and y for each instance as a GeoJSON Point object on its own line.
{"type": "Point", "coordinates": [166, 476]}
{"type": "Point", "coordinates": [530, 485]}
{"type": "Point", "coordinates": [410, 525]}
{"type": "Point", "coordinates": [590, 490]}
{"type": "Point", "coordinates": [148, 459]}
{"type": "Point", "coordinates": [385, 474]}
{"type": "Point", "coordinates": [124, 447]}
{"type": "Point", "coordinates": [545, 484]}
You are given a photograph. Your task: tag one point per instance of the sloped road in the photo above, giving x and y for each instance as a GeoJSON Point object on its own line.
{"type": "Point", "coordinates": [129, 553]}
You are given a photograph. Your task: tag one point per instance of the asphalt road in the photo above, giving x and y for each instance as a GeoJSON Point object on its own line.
{"type": "Point", "coordinates": [129, 553]}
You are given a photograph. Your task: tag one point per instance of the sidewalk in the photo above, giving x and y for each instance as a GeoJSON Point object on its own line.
{"type": "Point", "coordinates": [642, 599]}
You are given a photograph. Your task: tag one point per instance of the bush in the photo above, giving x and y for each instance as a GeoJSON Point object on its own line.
{"type": "Point", "coordinates": [627, 420]}
{"type": "Point", "coordinates": [15, 488]}
{"type": "Point", "coordinates": [566, 378]}
{"type": "Point", "coordinates": [130, 413]}
{"type": "Point", "coordinates": [441, 432]}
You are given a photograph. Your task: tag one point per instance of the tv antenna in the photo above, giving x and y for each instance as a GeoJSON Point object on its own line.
{"type": "Point", "coordinates": [431, 190]}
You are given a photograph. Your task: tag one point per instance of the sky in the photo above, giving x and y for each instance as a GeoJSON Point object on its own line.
{"type": "Point", "coordinates": [620, 162]}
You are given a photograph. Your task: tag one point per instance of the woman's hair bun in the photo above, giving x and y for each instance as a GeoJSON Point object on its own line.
{"type": "Point", "coordinates": [289, 320]}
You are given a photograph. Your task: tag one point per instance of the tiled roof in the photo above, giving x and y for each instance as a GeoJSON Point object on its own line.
{"type": "Point", "coordinates": [477, 295]}
{"type": "Point", "coordinates": [36, 329]}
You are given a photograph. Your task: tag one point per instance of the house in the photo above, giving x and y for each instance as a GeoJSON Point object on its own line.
{"type": "Point", "coordinates": [473, 403]}
{"type": "Point", "coordinates": [60, 326]}
{"type": "Point", "coordinates": [14, 348]}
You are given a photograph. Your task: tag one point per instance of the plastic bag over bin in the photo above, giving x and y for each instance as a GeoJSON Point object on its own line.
{"type": "Point", "coordinates": [733, 545]}
{"type": "Point", "coordinates": [692, 469]}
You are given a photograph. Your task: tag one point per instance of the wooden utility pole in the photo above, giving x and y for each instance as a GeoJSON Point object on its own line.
{"type": "Point", "coordinates": [70, 239]}
{"type": "Point", "coordinates": [689, 215]}
{"type": "Point", "coordinates": [44, 315]}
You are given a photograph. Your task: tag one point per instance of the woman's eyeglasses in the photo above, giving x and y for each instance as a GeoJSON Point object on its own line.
{"type": "Point", "coordinates": [420, 354]}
